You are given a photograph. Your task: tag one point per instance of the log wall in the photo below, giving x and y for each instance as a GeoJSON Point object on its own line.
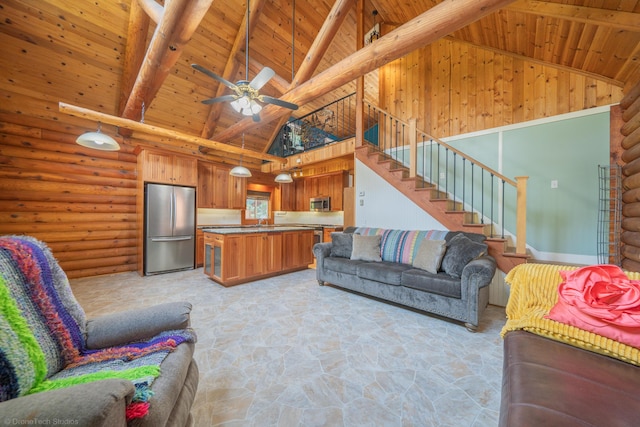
{"type": "Point", "coordinates": [81, 202]}
{"type": "Point", "coordinates": [453, 88]}
{"type": "Point", "coordinates": [630, 106]}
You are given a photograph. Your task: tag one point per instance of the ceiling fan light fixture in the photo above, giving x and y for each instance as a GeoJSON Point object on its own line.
{"type": "Point", "coordinates": [98, 141]}
{"type": "Point", "coordinates": [284, 178]}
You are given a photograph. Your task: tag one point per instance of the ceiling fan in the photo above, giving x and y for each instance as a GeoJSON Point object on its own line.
{"type": "Point", "coordinates": [246, 98]}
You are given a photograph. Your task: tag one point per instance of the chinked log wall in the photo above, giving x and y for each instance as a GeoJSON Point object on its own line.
{"type": "Point", "coordinates": [630, 105]}
{"type": "Point", "coordinates": [81, 202]}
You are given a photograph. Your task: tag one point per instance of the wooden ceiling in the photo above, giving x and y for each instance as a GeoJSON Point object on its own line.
{"type": "Point", "coordinates": [88, 53]}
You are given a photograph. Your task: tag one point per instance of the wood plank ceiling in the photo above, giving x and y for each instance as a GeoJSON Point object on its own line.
{"type": "Point", "coordinates": [88, 53]}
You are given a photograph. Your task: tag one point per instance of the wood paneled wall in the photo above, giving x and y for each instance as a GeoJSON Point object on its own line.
{"type": "Point", "coordinates": [630, 106]}
{"type": "Point", "coordinates": [80, 201]}
{"type": "Point", "coordinates": [453, 88]}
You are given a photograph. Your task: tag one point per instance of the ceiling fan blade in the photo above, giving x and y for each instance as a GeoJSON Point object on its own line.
{"type": "Point", "coordinates": [275, 101]}
{"type": "Point", "coordinates": [213, 75]}
{"type": "Point", "coordinates": [219, 99]}
{"type": "Point", "coordinates": [262, 78]}
{"type": "Point", "coordinates": [256, 117]}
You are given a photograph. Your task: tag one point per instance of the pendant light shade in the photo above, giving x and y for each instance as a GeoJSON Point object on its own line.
{"type": "Point", "coordinates": [98, 141]}
{"type": "Point", "coordinates": [284, 178]}
{"type": "Point", "coordinates": [240, 171]}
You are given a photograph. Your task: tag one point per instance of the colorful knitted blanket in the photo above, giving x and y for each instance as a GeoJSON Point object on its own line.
{"type": "Point", "coordinates": [42, 332]}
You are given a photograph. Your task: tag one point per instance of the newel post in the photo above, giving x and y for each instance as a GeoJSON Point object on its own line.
{"type": "Point", "coordinates": [413, 148]}
{"type": "Point", "coordinates": [521, 214]}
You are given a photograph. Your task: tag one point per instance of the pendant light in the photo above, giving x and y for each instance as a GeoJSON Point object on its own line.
{"type": "Point", "coordinates": [240, 171]}
{"type": "Point", "coordinates": [285, 177]}
{"type": "Point", "coordinates": [98, 141]}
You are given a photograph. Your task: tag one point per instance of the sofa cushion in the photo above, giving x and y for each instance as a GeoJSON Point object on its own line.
{"type": "Point", "coordinates": [440, 284]}
{"type": "Point", "coordinates": [389, 273]}
{"type": "Point", "coordinates": [366, 248]}
{"type": "Point", "coordinates": [341, 244]}
{"type": "Point", "coordinates": [429, 255]}
{"type": "Point", "coordinates": [460, 251]}
{"type": "Point", "coordinates": [402, 245]}
{"type": "Point", "coordinates": [341, 265]}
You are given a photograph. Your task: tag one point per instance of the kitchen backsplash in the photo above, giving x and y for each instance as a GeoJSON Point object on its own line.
{"type": "Point", "coordinates": [233, 216]}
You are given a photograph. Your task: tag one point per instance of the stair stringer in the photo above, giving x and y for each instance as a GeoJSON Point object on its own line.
{"type": "Point", "coordinates": [437, 208]}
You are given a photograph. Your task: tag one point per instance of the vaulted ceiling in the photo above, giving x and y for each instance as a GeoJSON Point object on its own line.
{"type": "Point", "coordinates": [90, 54]}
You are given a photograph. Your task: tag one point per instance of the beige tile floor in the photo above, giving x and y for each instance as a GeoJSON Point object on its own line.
{"type": "Point", "coordinates": [287, 352]}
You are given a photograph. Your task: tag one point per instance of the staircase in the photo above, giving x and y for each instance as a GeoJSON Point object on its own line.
{"type": "Point", "coordinates": [439, 204]}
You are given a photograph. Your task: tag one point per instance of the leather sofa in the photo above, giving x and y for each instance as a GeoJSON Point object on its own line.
{"type": "Point", "coordinates": [558, 373]}
{"type": "Point", "coordinates": [460, 294]}
{"type": "Point", "coordinates": [550, 383]}
{"type": "Point", "coordinates": [58, 367]}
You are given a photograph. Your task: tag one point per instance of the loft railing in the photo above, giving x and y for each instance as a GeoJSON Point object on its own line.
{"type": "Point", "coordinates": [332, 123]}
{"type": "Point", "coordinates": [492, 198]}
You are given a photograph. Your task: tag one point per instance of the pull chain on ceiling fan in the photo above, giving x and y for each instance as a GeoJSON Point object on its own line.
{"type": "Point", "coordinates": [246, 98]}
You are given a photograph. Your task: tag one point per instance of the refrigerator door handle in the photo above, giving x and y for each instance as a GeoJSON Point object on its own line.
{"type": "Point", "coordinates": [170, 239]}
{"type": "Point", "coordinates": [173, 211]}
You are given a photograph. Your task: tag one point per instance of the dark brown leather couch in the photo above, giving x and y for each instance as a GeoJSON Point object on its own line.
{"type": "Point", "coordinates": [549, 383]}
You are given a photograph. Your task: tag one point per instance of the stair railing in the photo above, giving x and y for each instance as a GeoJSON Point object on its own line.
{"type": "Point", "coordinates": [472, 186]}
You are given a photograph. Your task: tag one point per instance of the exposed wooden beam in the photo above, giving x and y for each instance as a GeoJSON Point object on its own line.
{"type": "Point", "coordinates": [86, 113]}
{"type": "Point", "coordinates": [152, 9]}
{"type": "Point", "coordinates": [442, 19]}
{"type": "Point", "coordinates": [231, 67]}
{"type": "Point", "coordinates": [320, 44]}
{"type": "Point", "coordinates": [179, 21]}
{"type": "Point", "coordinates": [587, 15]}
{"type": "Point", "coordinates": [134, 52]}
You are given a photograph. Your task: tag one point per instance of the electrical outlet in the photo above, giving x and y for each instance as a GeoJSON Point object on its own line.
{"type": "Point", "coordinates": [442, 175]}
{"type": "Point", "coordinates": [554, 183]}
{"type": "Point", "coordinates": [361, 202]}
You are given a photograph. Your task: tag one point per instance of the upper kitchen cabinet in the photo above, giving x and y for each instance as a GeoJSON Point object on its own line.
{"type": "Point", "coordinates": [168, 168]}
{"type": "Point", "coordinates": [218, 190]}
{"type": "Point", "coordinates": [330, 185]}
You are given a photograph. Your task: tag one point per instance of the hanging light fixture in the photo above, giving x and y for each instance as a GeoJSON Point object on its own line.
{"type": "Point", "coordinates": [240, 171]}
{"type": "Point", "coordinates": [284, 178]}
{"type": "Point", "coordinates": [98, 141]}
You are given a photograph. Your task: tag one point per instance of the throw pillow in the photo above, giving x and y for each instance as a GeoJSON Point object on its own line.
{"type": "Point", "coordinates": [341, 244]}
{"type": "Point", "coordinates": [366, 248]}
{"type": "Point", "coordinates": [460, 251]}
{"type": "Point", "coordinates": [429, 255]}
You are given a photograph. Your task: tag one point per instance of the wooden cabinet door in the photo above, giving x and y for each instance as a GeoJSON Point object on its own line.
{"type": "Point", "coordinates": [157, 167]}
{"type": "Point", "coordinates": [185, 171]}
{"type": "Point", "coordinates": [232, 260]}
{"type": "Point", "coordinates": [338, 182]}
{"type": "Point", "coordinates": [302, 201]}
{"type": "Point", "coordinates": [288, 196]}
{"type": "Point", "coordinates": [255, 254]}
{"type": "Point", "coordinates": [237, 192]}
{"type": "Point", "coordinates": [205, 184]}
{"type": "Point", "coordinates": [305, 248]}
{"type": "Point", "coordinates": [273, 259]}
{"type": "Point", "coordinates": [199, 248]}
{"type": "Point", "coordinates": [324, 186]}
{"type": "Point", "coordinates": [290, 255]}
{"type": "Point", "coordinates": [221, 188]}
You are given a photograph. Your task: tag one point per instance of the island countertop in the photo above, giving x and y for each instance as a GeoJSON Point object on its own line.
{"type": "Point", "coordinates": [254, 229]}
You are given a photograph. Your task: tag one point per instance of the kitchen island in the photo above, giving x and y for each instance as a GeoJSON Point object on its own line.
{"type": "Point", "coordinates": [238, 255]}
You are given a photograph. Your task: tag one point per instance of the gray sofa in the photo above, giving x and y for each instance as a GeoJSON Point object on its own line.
{"type": "Point", "coordinates": [457, 287]}
{"type": "Point", "coordinates": [133, 368]}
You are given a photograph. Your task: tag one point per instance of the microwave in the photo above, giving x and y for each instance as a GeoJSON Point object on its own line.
{"type": "Point", "coordinates": [320, 204]}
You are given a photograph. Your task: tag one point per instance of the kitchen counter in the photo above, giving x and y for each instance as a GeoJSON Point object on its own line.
{"type": "Point", "coordinates": [255, 229]}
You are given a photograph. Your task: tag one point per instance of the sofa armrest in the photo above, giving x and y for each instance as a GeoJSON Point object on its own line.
{"type": "Point", "coordinates": [478, 274]}
{"type": "Point", "coordinates": [95, 404]}
{"type": "Point", "coordinates": [322, 250]}
{"type": "Point", "coordinates": [135, 325]}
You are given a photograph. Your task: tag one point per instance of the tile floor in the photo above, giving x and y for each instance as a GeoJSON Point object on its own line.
{"type": "Point", "coordinates": [287, 352]}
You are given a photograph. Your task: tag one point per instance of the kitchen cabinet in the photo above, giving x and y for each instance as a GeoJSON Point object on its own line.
{"type": "Point", "coordinates": [217, 189]}
{"type": "Point", "coordinates": [330, 185]}
{"type": "Point", "coordinates": [235, 258]}
{"type": "Point", "coordinates": [167, 168]}
{"type": "Point", "coordinates": [199, 248]}
{"type": "Point", "coordinates": [288, 196]}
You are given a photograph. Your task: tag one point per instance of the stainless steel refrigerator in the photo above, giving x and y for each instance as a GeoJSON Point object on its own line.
{"type": "Point", "coordinates": [170, 228]}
